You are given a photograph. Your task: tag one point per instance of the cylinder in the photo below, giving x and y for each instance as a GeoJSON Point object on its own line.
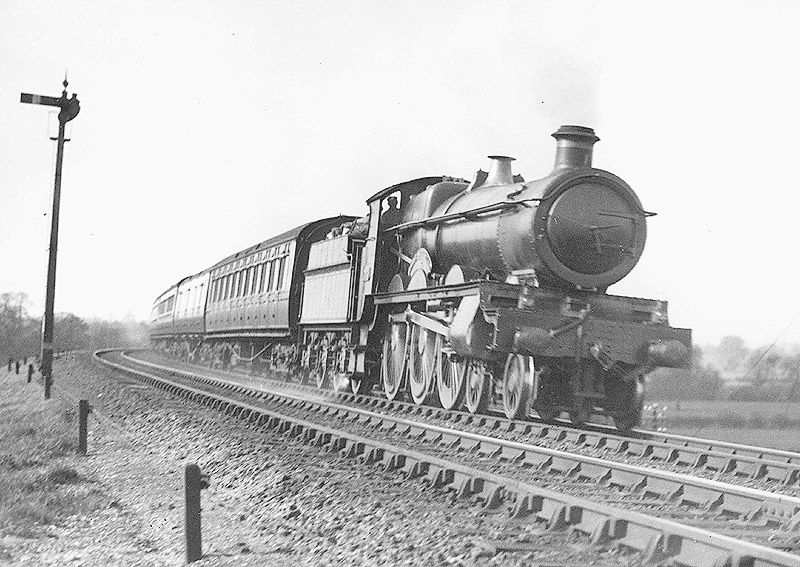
{"type": "Point", "coordinates": [533, 341]}
{"type": "Point", "coordinates": [670, 353]}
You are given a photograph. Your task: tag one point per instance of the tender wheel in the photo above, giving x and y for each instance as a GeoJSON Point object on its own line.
{"type": "Point", "coordinates": [477, 386]}
{"type": "Point", "coordinates": [421, 363]}
{"type": "Point", "coordinates": [518, 384]}
{"type": "Point", "coordinates": [450, 371]}
{"type": "Point", "coordinates": [393, 363]}
{"type": "Point", "coordinates": [632, 416]}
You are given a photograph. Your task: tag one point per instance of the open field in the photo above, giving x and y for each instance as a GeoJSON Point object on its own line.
{"type": "Point", "coordinates": [770, 424]}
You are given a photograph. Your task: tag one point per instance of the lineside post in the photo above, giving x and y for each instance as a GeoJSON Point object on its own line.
{"type": "Point", "coordinates": [194, 482]}
{"type": "Point", "coordinates": [84, 409]}
{"type": "Point", "coordinates": [69, 110]}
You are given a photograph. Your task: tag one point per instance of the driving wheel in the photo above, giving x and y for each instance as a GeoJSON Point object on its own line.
{"type": "Point", "coordinates": [450, 371]}
{"type": "Point", "coordinates": [393, 363]}
{"type": "Point", "coordinates": [421, 363]}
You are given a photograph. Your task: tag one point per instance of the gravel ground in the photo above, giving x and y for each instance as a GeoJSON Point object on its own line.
{"type": "Point", "coordinates": [272, 501]}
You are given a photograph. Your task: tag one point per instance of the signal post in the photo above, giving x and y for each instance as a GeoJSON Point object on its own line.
{"type": "Point", "coordinates": [69, 110]}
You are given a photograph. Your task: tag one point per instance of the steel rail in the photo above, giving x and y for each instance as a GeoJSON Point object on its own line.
{"type": "Point", "coordinates": [739, 460]}
{"type": "Point", "coordinates": [778, 456]}
{"type": "Point", "coordinates": [700, 455]}
{"type": "Point", "coordinates": [733, 497]}
{"type": "Point", "coordinates": [690, 442]}
{"type": "Point", "coordinates": [520, 494]}
{"type": "Point", "coordinates": [656, 538]}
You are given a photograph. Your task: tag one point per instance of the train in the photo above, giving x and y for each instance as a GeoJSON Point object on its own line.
{"type": "Point", "coordinates": [488, 294]}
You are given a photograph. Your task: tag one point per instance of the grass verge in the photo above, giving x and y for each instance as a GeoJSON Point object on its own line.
{"type": "Point", "coordinates": [38, 485]}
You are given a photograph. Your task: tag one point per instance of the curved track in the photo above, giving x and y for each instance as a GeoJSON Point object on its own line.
{"type": "Point", "coordinates": [658, 513]}
{"type": "Point", "coordinates": [758, 467]}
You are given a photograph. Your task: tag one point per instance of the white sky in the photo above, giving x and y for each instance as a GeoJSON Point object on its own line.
{"type": "Point", "coordinates": [207, 127]}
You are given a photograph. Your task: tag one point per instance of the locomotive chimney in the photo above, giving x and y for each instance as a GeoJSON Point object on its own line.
{"type": "Point", "coordinates": [500, 171]}
{"type": "Point", "coordinates": [574, 146]}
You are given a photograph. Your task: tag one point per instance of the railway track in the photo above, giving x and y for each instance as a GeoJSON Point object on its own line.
{"type": "Point", "coordinates": [660, 514]}
{"type": "Point", "coordinates": [759, 467]}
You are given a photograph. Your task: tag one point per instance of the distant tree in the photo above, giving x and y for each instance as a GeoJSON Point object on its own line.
{"type": "Point", "coordinates": [731, 353]}
{"type": "Point", "coordinates": [30, 338]}
{"type": "Point", "coordinates": [769, 374]}
{"type": "Point", "coordinates": [117, 333]}
{"type": "Point", "coordinates": [760, 367]}
{"type": "Point", "coordinates": [21, 334]}
{"type": "Point", "coordinates": [70, 333]}
{"type": "Point", "coordinates": [791, 368]}
{"type": "Point", "coordinates": [698, 382]}
{"type": "Point", "coordinates": [18, 332]}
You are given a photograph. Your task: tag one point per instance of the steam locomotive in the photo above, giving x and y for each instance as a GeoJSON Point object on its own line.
{"type": "Point", "coordinates": [484, 293]}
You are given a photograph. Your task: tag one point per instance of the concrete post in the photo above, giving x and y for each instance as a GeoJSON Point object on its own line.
{"type": "Point", "coordinates": [83, 418]}
{"type": "Point", "coordinates": [194, 482]}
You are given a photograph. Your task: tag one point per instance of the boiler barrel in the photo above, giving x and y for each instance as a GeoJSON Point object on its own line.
{"type": "Point", "coordinates": [578, 227]}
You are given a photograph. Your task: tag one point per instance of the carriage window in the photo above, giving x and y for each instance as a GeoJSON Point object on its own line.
{"type": "Point", "coordinates": [271, 275]}
{"type": "Point", "coordinates": [263, 278]}
{"type": "Point", "coordinates": [258, 281]}
{"type": "Point", "coordinates": [252, 276]}
{"type": "Point", "coordinates": [281, 269]}
{"type": "Point", "coordinates": [246, 274]}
